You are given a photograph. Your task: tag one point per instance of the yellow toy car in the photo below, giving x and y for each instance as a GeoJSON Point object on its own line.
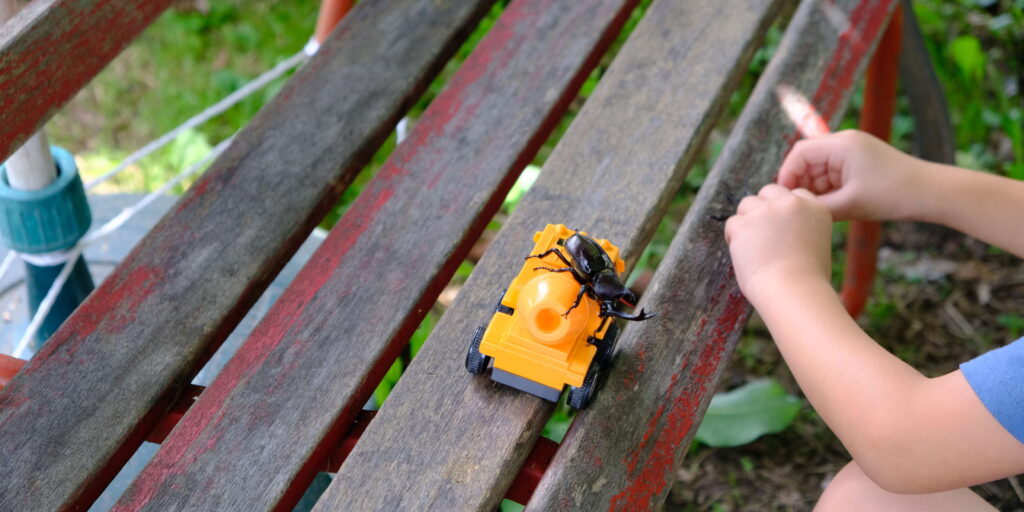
{"type": "Point", "coordinates": [554, 324]}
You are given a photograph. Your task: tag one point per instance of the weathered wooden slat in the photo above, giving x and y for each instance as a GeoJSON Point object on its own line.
{"type": "Point", "coordinates": [623, 451]}
{"type": "Point", "coordinates": [76, 412]}
{"type": "Point", "coordinates": [933, 132]}
{"type": "Point", "coordinates": [446, 440]}
{"type": "Point", "coordinates": [269, 421]}
{"type": "Point", "coordinates": [51, 49]}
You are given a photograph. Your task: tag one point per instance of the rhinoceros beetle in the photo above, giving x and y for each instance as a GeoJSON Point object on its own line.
{"type": "Point", "coordinates": [595, 271]}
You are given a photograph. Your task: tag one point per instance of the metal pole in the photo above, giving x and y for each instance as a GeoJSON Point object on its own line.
{"type": "Point", "coordinates": [30, 167]}
{"type": "Point", "coordinates": [32, 185]}
{"type": "Point", "coordinates": [876, 118]}
{"type": "Point", "coordinates": [331, 12]}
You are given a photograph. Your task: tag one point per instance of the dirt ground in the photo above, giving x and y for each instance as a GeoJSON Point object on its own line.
{"type": "Point", "coordinates": [940, 299]}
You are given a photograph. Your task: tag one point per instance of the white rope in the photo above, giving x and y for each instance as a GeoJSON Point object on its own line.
{"type": "Point", "coordinates": [47, 303]}
{"type": "Point", "coordinates": [402, 130]}
{"type": "Point", "coordinates": [8, 260]}
{"type": "Point", "coordinates": [312, 46]}
{"type": "Point", "coordinates": [212, 111]}
{"type": "Point", "coordinates": [129, 212]}
{"type": "Point", "coordinates": [72, 255]}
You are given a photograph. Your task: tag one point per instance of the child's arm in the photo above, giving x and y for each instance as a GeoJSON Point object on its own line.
{"type": "Point", "coordinates": [909, 433]}
{"type": "Point", "coordinates": [860, 177]}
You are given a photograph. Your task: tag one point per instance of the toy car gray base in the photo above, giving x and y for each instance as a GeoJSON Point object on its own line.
{"type": "Point", "coordinates": [527, 385]}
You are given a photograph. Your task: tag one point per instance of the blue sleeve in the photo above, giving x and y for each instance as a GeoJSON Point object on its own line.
{"type": "Point", "coordinates": [997, 377]}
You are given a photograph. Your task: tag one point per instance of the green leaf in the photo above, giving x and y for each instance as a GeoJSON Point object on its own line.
{"type": "Point", "coordinates": [558, 424]}
{"type": "Point", "coordinates": [750, 411]}
{"type": "Point", "coordinates": [1014, 323]}
{"type": "Point", "coordinates": [511, 506]}
{"type": "Point", "coordinates": [966, 52]}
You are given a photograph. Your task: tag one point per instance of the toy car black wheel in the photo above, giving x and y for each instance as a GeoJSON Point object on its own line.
{"type": "Point", "coordinates": [606, 347]}
{"type": "Point", "coordinates": [476, 362]}
{"type": "Point", "coordinates": [579, 397]}
{"type": "Point", "coordinates": [501, 308]}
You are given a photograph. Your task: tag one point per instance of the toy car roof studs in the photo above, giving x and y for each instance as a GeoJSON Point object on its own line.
{"type": "Point", "coordinates": [555, 324]}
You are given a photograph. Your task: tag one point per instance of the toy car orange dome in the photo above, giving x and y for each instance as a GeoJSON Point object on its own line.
{"type": "Point", "coordinates": [554, 325]}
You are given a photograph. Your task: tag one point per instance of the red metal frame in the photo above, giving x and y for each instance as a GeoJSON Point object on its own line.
{"type": "Point", "coordinates": [9, 367]}
{"type": "Point", "coordinates": [876, 119]}
{"type": "Point", "coordinates": [331, 12]}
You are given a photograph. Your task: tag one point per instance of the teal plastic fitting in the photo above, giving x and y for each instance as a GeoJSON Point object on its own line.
{"type": "Point", "coordinates": [50, 219]}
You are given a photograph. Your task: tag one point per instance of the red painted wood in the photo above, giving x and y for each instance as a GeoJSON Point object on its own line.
{"type": "Point", "coordinates": [625, 448]}
{"type": "Point", "coordinates": [295, 386]}
{"type": "Point", "coordinates": [876, 118]}
{"type": "Point", "coordinates": [522, 488]}
{"type": "Point", "coordinates": [448, 440]}
{"type": "Point", "coordinates": [135, 343]}
{"type": "Point", "coordinates": [52, 48]}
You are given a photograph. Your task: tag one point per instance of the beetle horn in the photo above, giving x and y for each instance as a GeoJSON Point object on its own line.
{"type": "Point", "coordinates": [643, 315]}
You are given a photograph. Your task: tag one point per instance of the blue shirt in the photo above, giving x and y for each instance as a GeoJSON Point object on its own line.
{"type": "Point", "coordinates": [998, 379]}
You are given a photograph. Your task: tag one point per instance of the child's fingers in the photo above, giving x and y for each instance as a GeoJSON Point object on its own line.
{"type": "Point", "coordinates": [730, 228]}
{"type": "Point", "coordinates": [838, 204]}
{"type": "Point", "coordinates": [771, 191]}
{"type": "Point", "coordinates": [804, 193]}
{"type": "Point", "coordinates": [812, 164]}
{"type": "Point", "coordinates": [748, 204]}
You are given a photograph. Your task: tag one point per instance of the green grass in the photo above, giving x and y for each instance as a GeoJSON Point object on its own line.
{"type": "Point", "coordinates": [977, 48]}
{"type": "Point", "coordinates": [187, 60]}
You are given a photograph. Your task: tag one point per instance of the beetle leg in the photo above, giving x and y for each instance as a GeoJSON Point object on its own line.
{"type": "Point", "coordinates": [563, 269]}
{"type": "Point", "coordinates": [549, 251]}
{"type": "Point", "coordinates": [579, 297]}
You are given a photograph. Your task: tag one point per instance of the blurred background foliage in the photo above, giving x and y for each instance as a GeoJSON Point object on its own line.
{"type": "Point", "coordinates": [201, 50]}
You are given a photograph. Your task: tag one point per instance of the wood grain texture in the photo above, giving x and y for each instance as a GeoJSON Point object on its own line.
{"type": "Point", "coordinates": [273, 416]}
{"type": "Point", "coordinates": [933, 131]}
{"type": "Point", "coordinates": [447, 440]}
{"type": "Point", "coordinates": [76, 412]}
{"type": "Point", "coordinates": [52, 48]}
{"type": "Point", "coordinates": [623, 451]}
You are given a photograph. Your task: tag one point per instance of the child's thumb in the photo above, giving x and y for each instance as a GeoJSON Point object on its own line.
{"type": "Point", "coordinates": [838, 203]}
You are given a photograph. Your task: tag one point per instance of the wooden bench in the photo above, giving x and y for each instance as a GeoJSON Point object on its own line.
{"type": "Point", "coordinates": [289, 403]}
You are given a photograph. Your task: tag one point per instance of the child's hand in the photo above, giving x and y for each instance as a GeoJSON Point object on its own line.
{"type": "Point", "coordinates": [856, 175]}
{"type": "Point", "coordinates": [776, 236]}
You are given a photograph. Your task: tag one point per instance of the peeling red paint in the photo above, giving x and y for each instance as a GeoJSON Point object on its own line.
{"type": "Point", "coordinates": [50, 61]}
{"type": "Point", "coordinates": [866, 21]}
{"type": "Point", "coordinates": [10, 403]}
{"type": "Point", "coordinates": [200, 432]}
{"type": "Point", "coordinates": [186, 443]}
{"type": "Point", "coordinates": [452, 110]}
{"type": "Point", "coordinates": [197, 190]}
{"type": "Point", "coordinates": [673, 420]}
{"type": "Point", "coordinates": [109, 309]}
{"type": "Point", "coordinates": [651, 464]}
